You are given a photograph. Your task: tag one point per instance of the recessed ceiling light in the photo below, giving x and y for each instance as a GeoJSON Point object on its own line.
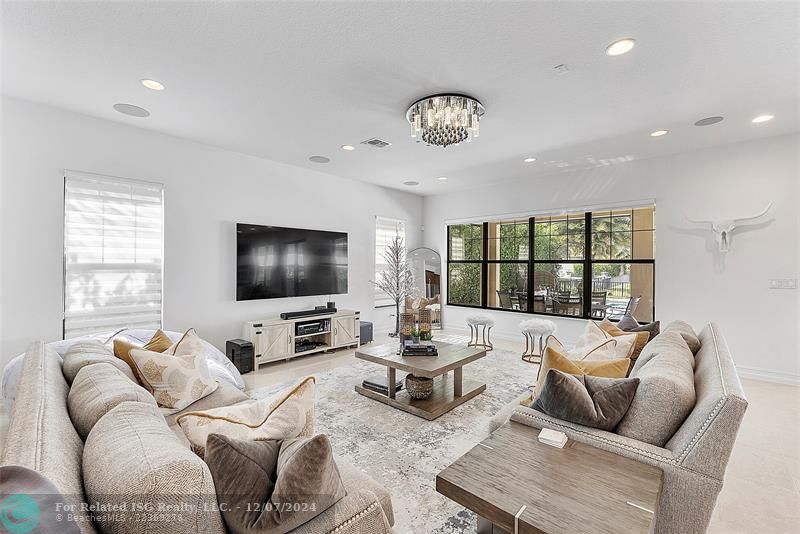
{"type": "Point", "coordinates": [622, 46]}
{"type": "Point", "coordinates": [708, 121]}
{"type": "Point", "coordinates": [763, 118]}
{"type": "Point", "coordinates": [130, 109]}
{"type": "Point", "coordinates": [348, 147]}
{"type": "Point", "coordinates": [659, 133]}
{"type": "Point", "coordinates": [153, 84]}
{"type": "Point", "coordinates": [442, 178]}
{"type": "Point", "coordinates": [319, 159]}
{"type": "Point", "coordinates": [411, 183]}
{"type": "Point", "coordinates": [529, 160]}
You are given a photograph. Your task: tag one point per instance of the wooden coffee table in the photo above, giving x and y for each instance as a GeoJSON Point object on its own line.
{"type": "Point", "coordinates": [579, 488]}
{"type": "Point", "coordinates": [447, 394]}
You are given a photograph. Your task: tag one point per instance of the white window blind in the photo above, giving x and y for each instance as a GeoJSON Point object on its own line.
{"type": "Point", "coordinates": [385, 230]}
{"type": "Point", "coordinates": [113, 254]}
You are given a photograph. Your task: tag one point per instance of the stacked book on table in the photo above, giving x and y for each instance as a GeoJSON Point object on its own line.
{"type": "Point", "coordinates": [378, 384]}
{"type": "Point", "coordinates": [423, 348]}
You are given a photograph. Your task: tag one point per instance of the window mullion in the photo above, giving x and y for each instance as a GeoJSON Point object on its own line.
{"type": "Point", "coordinates": [587, 266]}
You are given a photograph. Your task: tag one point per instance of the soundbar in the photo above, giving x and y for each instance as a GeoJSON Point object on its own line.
{"type": "Point", "coordinates": [307, 313]}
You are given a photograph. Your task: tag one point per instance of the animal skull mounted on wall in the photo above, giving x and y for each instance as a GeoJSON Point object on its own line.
{"type": "Point", "coordinates": [722, 228]}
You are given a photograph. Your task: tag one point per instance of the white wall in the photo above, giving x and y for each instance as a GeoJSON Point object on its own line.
{"type": "Point", "coordinates": [693, 281]}
{"type": "Point", "coordinates": [207, 190]}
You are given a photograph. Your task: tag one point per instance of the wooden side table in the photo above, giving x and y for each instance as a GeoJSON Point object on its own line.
{"type": "Point", "coordinates": [518, 485]}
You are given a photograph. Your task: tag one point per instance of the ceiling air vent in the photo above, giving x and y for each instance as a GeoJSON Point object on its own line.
{"type": "Point", "coordinates": [377, 143]}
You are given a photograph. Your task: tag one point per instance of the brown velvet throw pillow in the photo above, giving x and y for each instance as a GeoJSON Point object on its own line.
{"type": "Point", "coordinates": [122, 350]}
{"type": "Point", "coordinates": [272, 486]}
{"type": "Point", "coordinates": [586, 400]}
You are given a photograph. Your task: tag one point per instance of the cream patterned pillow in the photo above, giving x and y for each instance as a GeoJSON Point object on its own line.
{"type": "Point", "coordinates": [178, 376]}
{"type": "Point", "coordinates": [597, 342]}
{"type": "Point", "coordinates": [286, 415]}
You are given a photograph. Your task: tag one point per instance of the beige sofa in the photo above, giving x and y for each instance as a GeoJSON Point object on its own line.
{"type": "Point", "coordinates": [133, 451]}
{"type": "Point", "coordinates": [694, 459]}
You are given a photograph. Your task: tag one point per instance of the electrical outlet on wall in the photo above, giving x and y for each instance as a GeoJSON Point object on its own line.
{"type": "Point", "coordinates": [783, 283]}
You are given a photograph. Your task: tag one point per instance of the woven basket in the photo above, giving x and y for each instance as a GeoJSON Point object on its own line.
{"type": "Point", "coordinates": [419, 387]}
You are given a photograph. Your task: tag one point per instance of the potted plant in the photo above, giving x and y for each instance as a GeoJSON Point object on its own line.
{"type": "Point", "coordinates": [415, 335]}
{"type": "Point", "coordinates": [426, 336]}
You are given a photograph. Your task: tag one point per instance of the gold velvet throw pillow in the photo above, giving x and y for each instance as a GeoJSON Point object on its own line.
{"type": "Point", "coordinates": [555, 359]}
{"type": "Point", "coordinates": [122, 350]}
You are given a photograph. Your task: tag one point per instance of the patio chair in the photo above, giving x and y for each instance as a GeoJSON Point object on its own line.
{"type": "Point", "coordinates": [566, 304]}
{"type": "Point", "coordinates": [505, 299]}
{"type": "Point", "coordinates": [599, 304]}
{"type": "Point", "coordinates": [522, 299]}
{"type": "Point", "coordinates": [540, 303]}
{"type": "Point", "coordinates": [615, 313]}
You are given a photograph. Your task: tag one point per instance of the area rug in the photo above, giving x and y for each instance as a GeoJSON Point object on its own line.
{"type": "Point", "coordinates": [404, 452]}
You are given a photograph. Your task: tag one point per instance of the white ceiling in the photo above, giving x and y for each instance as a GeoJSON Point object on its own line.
{"type": "Point", "coordinates": [287, 80]}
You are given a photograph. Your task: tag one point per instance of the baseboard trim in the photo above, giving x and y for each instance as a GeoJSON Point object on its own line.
{"type": "Point", "coordinates": [766, 375]}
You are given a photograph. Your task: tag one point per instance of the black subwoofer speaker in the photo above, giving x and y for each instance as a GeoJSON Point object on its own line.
{"type": "Point", "coordinates": [240, 352]}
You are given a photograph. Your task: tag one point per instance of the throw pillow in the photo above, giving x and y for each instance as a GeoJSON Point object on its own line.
{"type": "Point", "coordinates": [294, 480]}
{"type": "Point", "coordinates": [288, 414]}
{"type": "Point", "coordinates": [639, 338]}
{"type": "Point", "coordinates": [653, 329]}
{"type": "Point", "coordinates": [122, 350]}
{"type": "Point", "coordinates": [666, 394]}
{"type": "Point", "coordinates": [628, 322]}
{"type": "Point", "coordinates": [586, 400]}
{"type": "Point", "coordinates": [554, 358]}
{"type": "Point", "coordinates": [687, 333]}
{"type": "Point", "coordinates": [177, 377]}
{"type": "Point", "coordinates": [593, 342]}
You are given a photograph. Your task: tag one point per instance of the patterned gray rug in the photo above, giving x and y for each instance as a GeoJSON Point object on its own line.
{"type": "Point", "coordinates": [404, 452]}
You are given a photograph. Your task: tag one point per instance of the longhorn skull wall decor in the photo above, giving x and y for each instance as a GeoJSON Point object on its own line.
{"type": "Point", "coordinates": [722, 228]}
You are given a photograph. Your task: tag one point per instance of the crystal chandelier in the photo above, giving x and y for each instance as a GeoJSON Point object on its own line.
{"type": "Point", "coordinates": [445, 119]}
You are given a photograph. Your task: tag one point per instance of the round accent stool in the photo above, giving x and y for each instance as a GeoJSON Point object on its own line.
{"type": "Point", "coordinates": [532, 329]}
{"type": "Point", "coordinates": [480, 330]}
{"type": "Point", "coordinates": [419, 387]}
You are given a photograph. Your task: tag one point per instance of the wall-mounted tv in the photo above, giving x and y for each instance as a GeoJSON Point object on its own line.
{"type": "Point", "coordinates": [274, 262]}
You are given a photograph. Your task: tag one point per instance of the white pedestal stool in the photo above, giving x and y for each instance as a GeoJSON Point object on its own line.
{"type": "Point", "coordinates": [532, 329]}
{"type": "Point", "coordinates": [485, 324]}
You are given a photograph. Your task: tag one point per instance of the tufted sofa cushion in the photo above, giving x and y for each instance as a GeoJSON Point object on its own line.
{"type": "Point", "coordinates": [96, 390]}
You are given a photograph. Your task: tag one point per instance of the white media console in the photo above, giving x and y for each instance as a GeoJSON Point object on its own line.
{"type": "Point", "coordinates": [281, 339]}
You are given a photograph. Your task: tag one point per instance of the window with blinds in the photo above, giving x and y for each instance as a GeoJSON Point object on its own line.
{"type": "Point", "coordinates": [385, 230]}
{"type": "Point", "coordinates": [113, 254]}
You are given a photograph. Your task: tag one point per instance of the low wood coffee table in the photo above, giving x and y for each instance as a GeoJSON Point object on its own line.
{"type": "Point", "coordinates": [446, 394]}
{"type": "Point", "coordinates": [579, 488]}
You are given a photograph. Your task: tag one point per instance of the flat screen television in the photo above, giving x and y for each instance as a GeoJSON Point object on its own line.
{"type": "Point", "coordinates": [274, 262]}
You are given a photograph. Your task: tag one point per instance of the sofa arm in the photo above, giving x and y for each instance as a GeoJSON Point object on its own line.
{"type": "Point", "coordinates": [359, 512]}
{"type": "Point", "coordinates": [624, 446]}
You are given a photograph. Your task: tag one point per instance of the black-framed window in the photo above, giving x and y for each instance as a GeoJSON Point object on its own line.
{"type": "Point", "coordinates": [584, 264]}
{"type": "Point", "coordinates": [465, 255]}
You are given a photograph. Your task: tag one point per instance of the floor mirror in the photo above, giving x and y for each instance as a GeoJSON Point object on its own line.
{"type": "Point", "coordinates": [426, 264]}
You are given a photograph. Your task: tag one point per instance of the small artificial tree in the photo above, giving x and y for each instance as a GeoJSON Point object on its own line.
{"type": "Point", "coordinates": [397, 280]}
